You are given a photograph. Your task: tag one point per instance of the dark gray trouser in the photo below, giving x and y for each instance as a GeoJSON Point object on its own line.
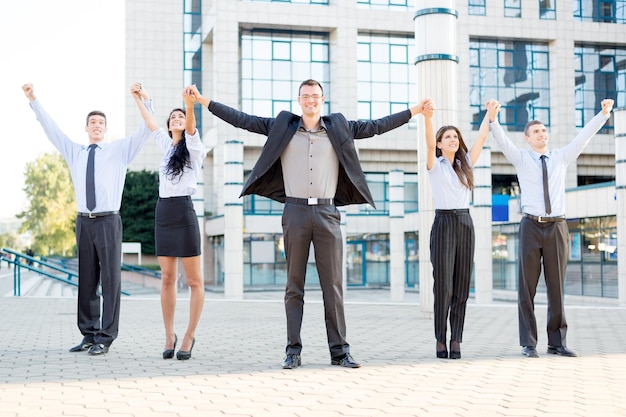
{"type": "Point", "coordinates": [549, 241]}
{"type": "Point", "coordinates": [452, 244]}
{"type": "Point", "coordinates": [321, 225]}
{"type": "Point", "coordinates": [99, 242]}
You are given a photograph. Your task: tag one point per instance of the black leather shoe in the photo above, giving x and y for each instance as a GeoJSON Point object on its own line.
{"type": "Point", "coordinates": [291, 361]}
{"type": "Point", "coordinates": [82, 346]}
{"type": "Point", "coordinates": [183, 355]}
{"type": "Point", "coordinates": [529, 351]}
{"type": "Point", "coordinates": [98, 349]}
{"type": "Point", "coordinates": [346, 361]}
{"type": "Point", "coordinates": [561, 350]}
{"type": "Point", "coordinates": [169, 353]}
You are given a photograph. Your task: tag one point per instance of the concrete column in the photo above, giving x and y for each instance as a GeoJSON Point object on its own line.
{"type": "Point", "coordinates": [481, 215]}
{"type": "Point", "coordinates": [233, 219]}
{"type": "Point", "coordinates": [619, 116]}
{"type": "Point", "coordinates": [396, 235]}
{"type": "Point", "coordinates": [436, 63]}
{"type": "Point", "coordinates": [198, 205]}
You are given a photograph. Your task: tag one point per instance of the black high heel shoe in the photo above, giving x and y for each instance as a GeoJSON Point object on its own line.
{"type": "Point", "coordinates": [184, 355]}
{"type": "Point", "coordinates": [442, 354]}
{"type": "Point", "coordinates": [169, 353]}
{"type": "Point", "coordinates": [455, 354]}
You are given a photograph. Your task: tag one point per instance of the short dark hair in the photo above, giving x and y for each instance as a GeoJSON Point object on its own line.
{"type": "Point", "coordinates": [529, 124]}
{"type": "Point", "coordinates": [96, 113]}
{"type": "Point", "coordinates": [312, 83]}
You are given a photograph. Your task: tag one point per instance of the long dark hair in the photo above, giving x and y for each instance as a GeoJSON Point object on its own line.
{"type": "Point", "coordinates": [460, 165]}
{"type": "Point", "coordinates": [180, 157]}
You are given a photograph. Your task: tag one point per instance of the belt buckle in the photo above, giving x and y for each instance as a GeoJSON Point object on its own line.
{"type": "Point", "coordinates": [92, 216]}
{"type": "Point", "coordinates": [312, 201]}
{"type": "Point", "coordinates": [541, 219]}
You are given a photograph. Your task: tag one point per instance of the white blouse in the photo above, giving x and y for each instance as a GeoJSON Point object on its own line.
{"type": "Point", "coordinates": [448, 191]}
{"type": "Point", "coordinates": [187, 182]}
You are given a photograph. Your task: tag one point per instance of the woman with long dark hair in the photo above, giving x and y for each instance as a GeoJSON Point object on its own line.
{"type": "Point", "coordinates": [452, 239]}
{"type": "Point", "coordinates": [177, 233]}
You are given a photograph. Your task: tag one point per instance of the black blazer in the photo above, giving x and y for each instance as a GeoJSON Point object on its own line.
{"type": "Point", "coordinates": [266, 178]}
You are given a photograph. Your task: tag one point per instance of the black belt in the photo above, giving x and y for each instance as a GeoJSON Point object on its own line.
{"type": "Point", "coordinates": [101, 214]}
{"type": "Point", "coordinates": [310, 201]}
{"type": "Point", "coordinates": [541, 219]}
{"type": "Point", "coordinates": [452, 211]}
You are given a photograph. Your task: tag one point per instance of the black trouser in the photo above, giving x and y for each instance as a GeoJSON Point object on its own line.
{"type": "Point", "coordinates": [320, 224]}
{"type": "Point", "coordinates": [99, 242]}
{"type": "Point", "coordinates": [547, 242]}
{"type": "Point", "coordinates": [452, 244]}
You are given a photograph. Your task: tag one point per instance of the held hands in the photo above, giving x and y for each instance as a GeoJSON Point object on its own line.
{"type": "Point", "coordinates": [426, 108]}
{"type": "Point", "coordinates": [607, 106]}
{"type": "Point", "coordinates": [29, 91]}
{"type": "Point", "coordinates": [189, 96]}
{"type": "Point", "coordinates": [198, 98]}
{"type": "Point", "coordinates": [138, 92]}
{"type": "Point", "coordinates": [493, 108]}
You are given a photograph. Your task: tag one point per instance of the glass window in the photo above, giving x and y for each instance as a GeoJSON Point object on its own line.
{"type": "Point", "coordinates": [512, 8]}
{"type": "Point", "coordinates": [295, 1]}
{"type": "Point", "coordinates": [515, 73]}
{"type": "Point", "coordinates": [547, 9]}
{"type": "Point", "coordinates": [607, 11]}
{"type": "Point", "coordinates": [192, 48]}
{"type": "Point", "coordinates": [386, 4]}
{"type": "Point", "coordinates": [477, 7]}
{"type": "Point", "coordinates": [274, 63]}
{"type": "Point", "coordinates": [385, 75]}
{"type": "Point", "coordinates": [600, 72]}
{"type": "Point", "coordinates": [591, 270]}
{"type": "Point", "coordinates": [410, 192]}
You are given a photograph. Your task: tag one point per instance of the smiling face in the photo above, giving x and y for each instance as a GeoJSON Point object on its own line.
{"type": "Point", "coordinates": [311, 99]}
{"type": "Point", "coordinates": [536, 135]}
{"type": "Point", "coordinates": [448, 141]}
{"type": "Point", "coordinates": [176, 121]}
{"type": "Point", "coordinates": [96, 127]}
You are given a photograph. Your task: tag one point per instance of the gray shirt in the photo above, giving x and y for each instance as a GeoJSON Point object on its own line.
{"type": "Point", "coordinates": [310, 164]}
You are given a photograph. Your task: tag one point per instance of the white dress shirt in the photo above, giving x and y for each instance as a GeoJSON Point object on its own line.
{"type": "Point", "coordinates": [111, 161]}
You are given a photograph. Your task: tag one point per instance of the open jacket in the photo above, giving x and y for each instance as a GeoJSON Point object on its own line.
{"type": "Point", "coordinates": [266, 178]}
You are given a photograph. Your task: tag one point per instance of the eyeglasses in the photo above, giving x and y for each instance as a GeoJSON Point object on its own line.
{"type": "Point", "coordinates": [308, 96]}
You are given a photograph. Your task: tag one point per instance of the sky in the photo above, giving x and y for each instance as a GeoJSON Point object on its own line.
{"type": "Point", "coordinates": [73, 53]}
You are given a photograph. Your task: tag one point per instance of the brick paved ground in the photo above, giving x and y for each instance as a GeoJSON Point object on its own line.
{"type": "Point", "coordinates": [235, 369]}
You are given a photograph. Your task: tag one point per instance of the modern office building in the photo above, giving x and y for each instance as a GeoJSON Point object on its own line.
{"type": "Point", "coordinates": [552, 60]}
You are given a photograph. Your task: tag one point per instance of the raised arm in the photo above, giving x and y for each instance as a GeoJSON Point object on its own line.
{"type": "Point", "coordinates": [430, 135]}
{"type": "Point", "coordinates": [140, 94]}
{"type": "Point", "coordinates": [190, 119]}
{"type": "Point", "coordinates": [483, 132]}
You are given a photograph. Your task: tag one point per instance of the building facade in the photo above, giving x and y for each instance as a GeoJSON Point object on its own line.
{"type": "Point", "coordinates": [552, 60]}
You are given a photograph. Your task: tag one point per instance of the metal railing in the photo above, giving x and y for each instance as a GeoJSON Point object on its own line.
{"type": "Point", "coordinates": [40, 266]}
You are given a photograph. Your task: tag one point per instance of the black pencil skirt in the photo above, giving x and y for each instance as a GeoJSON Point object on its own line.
{"type": "Point", "coordinates": [176, 229]}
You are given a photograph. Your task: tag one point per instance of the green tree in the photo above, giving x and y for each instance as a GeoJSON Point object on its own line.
{"type": "Point", "coordinates": [10, 240]}
{"type": "Point", "coordinates": [50, 217]}
{"type": "Point", "coordinates": [141, 191]}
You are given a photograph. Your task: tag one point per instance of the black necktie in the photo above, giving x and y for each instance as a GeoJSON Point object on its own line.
{"type": "Point", "coordinates": [546, 193]}
{"type": "Point", "coordinates": [89, 182]}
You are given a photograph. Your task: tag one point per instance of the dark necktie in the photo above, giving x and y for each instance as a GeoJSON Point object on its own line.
{"type": "Point", "coordinates": [90, 186]}
{"type": "Point", "coordinates": [546, 193]}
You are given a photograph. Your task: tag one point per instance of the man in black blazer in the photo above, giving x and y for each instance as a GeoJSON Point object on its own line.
{"type": "Point", "coordinates": [309, 162]}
